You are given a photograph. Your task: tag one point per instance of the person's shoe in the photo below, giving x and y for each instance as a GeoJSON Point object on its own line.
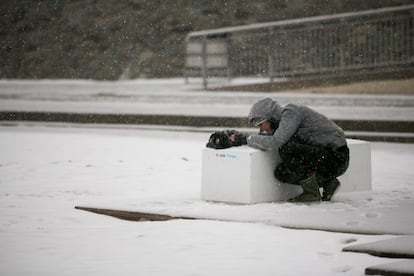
{"type": "Point", "coordinates": [310, 190]}
{"type": "Point", "coordinates": [329, 189]}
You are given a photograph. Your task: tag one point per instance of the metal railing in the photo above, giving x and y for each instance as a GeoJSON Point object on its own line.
{"type": "Point", "coordinates": [373, 40]}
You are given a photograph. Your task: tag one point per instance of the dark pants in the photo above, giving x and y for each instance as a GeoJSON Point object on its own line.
{"type": "Point", "coordinates": [299, 161]}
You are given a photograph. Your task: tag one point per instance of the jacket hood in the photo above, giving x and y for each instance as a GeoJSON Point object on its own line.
{"type": "Point", "coordinates": [265, 109]}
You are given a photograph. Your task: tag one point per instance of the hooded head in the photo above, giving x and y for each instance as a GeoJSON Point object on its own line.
{"type": "Point", "coordinates": [265, 109]}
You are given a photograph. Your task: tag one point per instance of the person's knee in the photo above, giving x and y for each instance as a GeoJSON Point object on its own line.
{"type": "Point", "coordinates": [279, 174]}
{"type": "Point", "coordinates": [285, 175]}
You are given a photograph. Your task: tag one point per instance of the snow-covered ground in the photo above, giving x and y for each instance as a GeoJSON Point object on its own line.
{"type": "Point", "coordinates": [172, 96]}
{"type": "Point", "coordinates": [47, 170]}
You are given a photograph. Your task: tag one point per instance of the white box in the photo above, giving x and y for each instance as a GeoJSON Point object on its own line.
{"type": "Point", "coordinates": [358, 175]}
{"type": "Point", "coordinates": [242, 175]}
{"type": "Point", "coordinates": [245, 175]}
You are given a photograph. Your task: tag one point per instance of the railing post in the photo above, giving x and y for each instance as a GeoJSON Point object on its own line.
{"type": "Point", "coordinates": [204, 61]}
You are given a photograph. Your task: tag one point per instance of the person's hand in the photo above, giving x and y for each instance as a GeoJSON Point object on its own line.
{"type": "Point", "coordinates": [237, 138]}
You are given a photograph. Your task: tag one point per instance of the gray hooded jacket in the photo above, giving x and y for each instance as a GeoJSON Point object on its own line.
{"type": "Point", "coordinates": [306, 124]}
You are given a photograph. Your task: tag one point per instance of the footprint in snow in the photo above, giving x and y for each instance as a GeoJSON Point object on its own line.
{"type": "Point", "coordinates": [344, 268]}
{"type": "Point", "coordinates": [325, 253]}
{"type": "Point", "coordinates": [352, 223]}
{"type": "Point", "coordinates": [372, 215]}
